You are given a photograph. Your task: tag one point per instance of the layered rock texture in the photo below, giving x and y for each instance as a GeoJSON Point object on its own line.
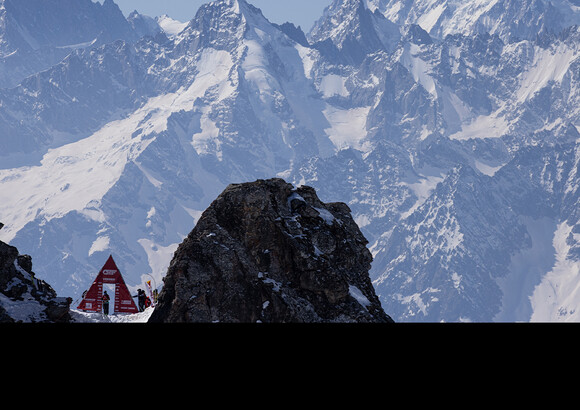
{"type": "Point", "coordinates": [266, 252]}
{"type": "Point", "coordinates": [24, 298]}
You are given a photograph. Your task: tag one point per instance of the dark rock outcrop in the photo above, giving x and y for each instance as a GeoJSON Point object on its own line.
{"type": "Point", "coordinates": [266, 252]}
{"type": "Point", "coordinates": [24, 298]}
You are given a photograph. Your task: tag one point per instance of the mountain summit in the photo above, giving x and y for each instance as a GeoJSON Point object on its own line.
{"type": "Point", "coordinates": [354, 30]}
{"type": "Point", "coordinates": [266, 252]}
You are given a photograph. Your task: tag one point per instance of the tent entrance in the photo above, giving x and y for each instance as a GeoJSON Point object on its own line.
{"type": "Point", "coordinates": [110, 289]}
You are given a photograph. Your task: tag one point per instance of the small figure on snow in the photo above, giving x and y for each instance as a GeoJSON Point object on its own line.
{"type": "Point", "coordinates": [140, 299]}
{"type": "Point", "coordinates": [106, 299]}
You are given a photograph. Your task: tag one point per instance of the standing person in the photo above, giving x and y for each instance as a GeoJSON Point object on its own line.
{"type": "Point", "coordinates": [106, 299]}
{"type": "Point", "coordinates": [140, 299]}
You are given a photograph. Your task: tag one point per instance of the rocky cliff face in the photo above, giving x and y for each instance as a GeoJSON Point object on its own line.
{"type": "Point", "coordinates": [266, 252]}
{"type": "Point", "coordinates": [24, 298]}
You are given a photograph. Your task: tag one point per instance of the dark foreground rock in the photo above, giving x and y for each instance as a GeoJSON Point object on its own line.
{"type": "Point", "coordinates": [266, 252]}
{"type": "Point", "coordinates": [24, 298]}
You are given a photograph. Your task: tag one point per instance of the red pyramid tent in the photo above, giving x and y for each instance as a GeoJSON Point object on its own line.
{"type": "Point", "coordinates": [109, 274]}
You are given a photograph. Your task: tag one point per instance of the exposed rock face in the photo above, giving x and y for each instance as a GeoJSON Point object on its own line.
{"type": "Point", "coordinates": [24, 298]}
{"type": "Point", "coordinates": [266, 252]}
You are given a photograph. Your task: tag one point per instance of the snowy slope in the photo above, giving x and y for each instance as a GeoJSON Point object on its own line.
{"type": "Point", "coordinates": [75, 178]}
{"type": "Point", "coordinates": [78, 316]}
{"type": "Point", "coordinates": [170, 26]}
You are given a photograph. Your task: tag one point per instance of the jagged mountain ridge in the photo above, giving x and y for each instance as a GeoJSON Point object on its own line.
{"type": "Point", "coordinates": [354, 30]}
{"type": "Point", "coordinates": [490, 233]}
{"type": "Point", "coordinates": [35, 34]}
{"type": "Point", "coordinates": [510, 20]}
{"type": "Point", "coordinates": [221, 103]}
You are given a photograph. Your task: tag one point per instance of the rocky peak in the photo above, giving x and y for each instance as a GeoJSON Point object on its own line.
{"type": "Point", "coordinates": [354, 30]}
{"type": "Point", "coordinates": [24, 298]}
{"type": "Point", "coordinates": [266, 252]}
{"type": "Point", "coordinates": [143, 25]}
{"type": "Point", "coordinates": [220, 24]}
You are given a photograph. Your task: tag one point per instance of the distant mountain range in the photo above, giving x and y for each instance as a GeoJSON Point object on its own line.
{"type": "Point", "coordinates": [450, 128]}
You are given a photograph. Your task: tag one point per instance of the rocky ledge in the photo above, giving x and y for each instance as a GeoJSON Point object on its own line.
{"type": "Point", "coordinates": [23, 297]}
{"type": "Point", "coordinates": [266, 252]}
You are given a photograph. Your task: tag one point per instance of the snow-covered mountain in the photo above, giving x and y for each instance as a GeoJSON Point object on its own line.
{"type": "Point", "coordinates": [457, 148]}
{"type": "Point", "coordinates": [508, 19]}
{"type": "Point", "coordinates": [352, 31]}
{"type": "Point", "coordinates": [37, 34]}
